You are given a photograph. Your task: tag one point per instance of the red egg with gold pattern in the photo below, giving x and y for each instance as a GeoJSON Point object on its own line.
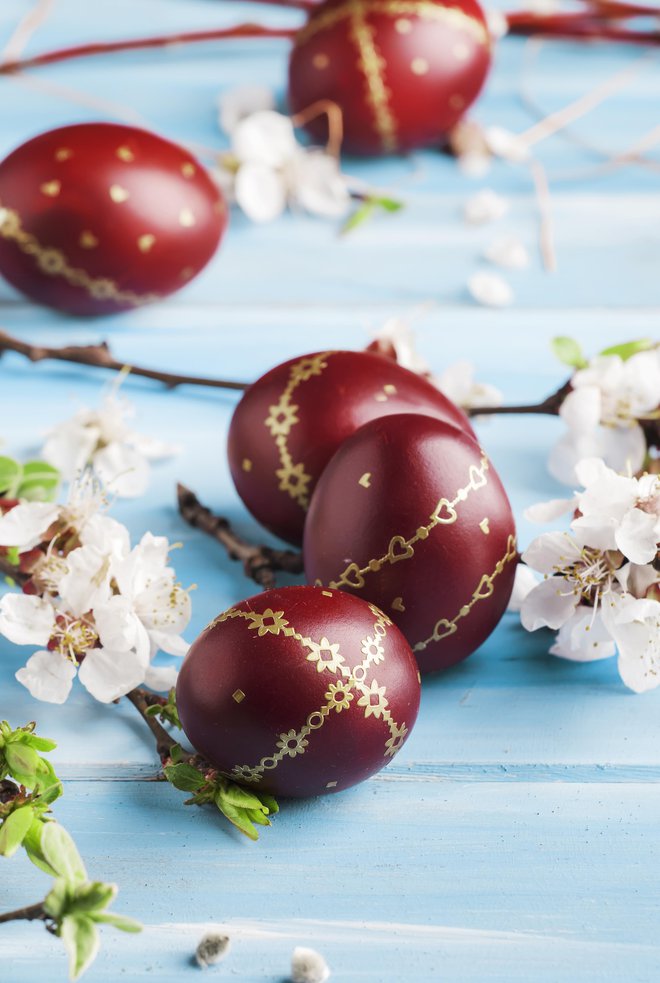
{"type": "Point", "coordinates": [290, 422]}
{"type": "Point", "coordinates": [97, 218]}
{"type": "Point", "coordinates": [410, 515]}
{"type": "Point", "coordinates": [299, 691]}
{"type": "Point", "coordinates": [403, 72]}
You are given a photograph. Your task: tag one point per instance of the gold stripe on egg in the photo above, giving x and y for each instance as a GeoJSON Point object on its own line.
{"type": "Point", "coordinates": [444, 627]}
{"type": "Point", "coordinates": [348, 683]}
{"type": "Point", "coordinates": [53, 262]}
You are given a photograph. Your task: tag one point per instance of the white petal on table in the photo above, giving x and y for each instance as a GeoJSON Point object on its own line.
{"type": "Point", "coordinates": [490, 289]}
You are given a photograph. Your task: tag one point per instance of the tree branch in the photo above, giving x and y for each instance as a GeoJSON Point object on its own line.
{"type": "Point", "coordinates": [260, 563]}
{"type": "Point", "coordinates": [157, 41]}
{"type": "Point", "coordinates": [100, 357]}
{"type": "Point", "coordinates": [31, 913]}
{"type": "Point", "coordinates": [142, 700]}
{"type": "Point", "coordinates": [549, 406]}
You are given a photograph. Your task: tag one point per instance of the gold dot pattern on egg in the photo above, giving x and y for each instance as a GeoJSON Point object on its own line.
{"type": "Point", "coordinates": [365, 480]}
{"type": "Point", "coordinates": [238, 696]}
{"type": "Point", "coordinates": [51, 188]}
{"type": "Point", "coordinates": [419, 66]}
{"type": "Point", "coordinates": [118, 194]}
{"type": "Point", "coordinates": [63, 153]}
{"type": "Point", "coordinates": [87, 240]}
{"type": "Point", "coordinates": [188, 169]}
{"type": "Point", "coordinates": [125, 154]}
{"type": "Point", "coordinates": [187, 272]}
{"type": "Point", "coordinates": [461, 51]}
{"type": "Point", "coordinates": [247, 464]}
{"type": "Point", "coordinates": [186, 218]}
{"type": "Point", "coordinates": [402, 25]}
{"type": "Point", "coordinates": [320, 60]}
{"type": "Point", "coordinates": [145, 242]}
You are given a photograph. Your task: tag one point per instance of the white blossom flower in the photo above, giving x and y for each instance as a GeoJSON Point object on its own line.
{"type": "Point", "coordinates": [524, 582]}
{"type": "Point", "coordinates": [634, 624]}
{"type": "Point", "coordinates": [508, 252]}
{"type": "Point", "coordinates": [602, 411]}
{"type": "Point", "coordinates": [490, 289]}
{"type": "Point", "coordinates": [308, 966]}
{"type": "Point", "coordinates": [507, 145]}
{"type": "Point", "coordinates": [397, 338]}
{"type": "Point", "coordinates": [269, 170]}
{"type": "Point", "coordinates": [485, 206]}
{"type": "Point", "coordinates": [103, 440]}
{"type": "Point", "coordinates": [600, 591]}
{"type": "Point", "coordinates": [102, 610]}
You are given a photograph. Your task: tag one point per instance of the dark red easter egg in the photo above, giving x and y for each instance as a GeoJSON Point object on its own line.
{"type": "Point", "coordinates": [290, 422]}
{"type": "Point", "coordinates": [410, 514]}
{"type": "Point", "coordinates": [403, 72]}
{"type": "Point", "coordinates": [98, 218]}
{"type": "Point", "coordinates": [299, 691]}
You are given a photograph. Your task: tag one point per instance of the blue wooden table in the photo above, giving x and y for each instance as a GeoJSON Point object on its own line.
{"type": "Point", "coordinates": [515, 838]}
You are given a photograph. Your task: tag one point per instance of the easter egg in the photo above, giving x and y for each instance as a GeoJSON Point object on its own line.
{"type": "Point", "coordinates": [97, 218]}
{"type": "Point", "coordinates": [403, 72]}
{"type": "Point", "coordinates": [299, 691]}
{"type": "Point", "coordinates": [290, 422]}
{"type": "Point", "coordinates": [410, 515]}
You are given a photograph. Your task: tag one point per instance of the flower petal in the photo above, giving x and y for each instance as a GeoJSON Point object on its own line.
{"type": "Point", "coordinates": [48, 676]}
{"type": "Point", "coordinates": [120, 628]}
{"type": "Point", "coordinates": [525, 581]}
{"type": "Point", "coordinates": [161, 678]}
{"type": "Point", "coordinates": [548, 605]}
{"type": "Point", "coordinates": [490, 289]}
{"type": "Point", "coordinates": [26, 524]}
{"type": "Point", "coordinates": [260, 192]}
{"type": "Point", "coordinates": [87, 581]}
{"type": "Point", "coordinates": [551, 552]}
{"type": "Point", "coordinates": [584, 638]}
{"type": "Point", "coordinates": [637, 536]}
{"type": "Point", "coordinates": [26, 619]}
{"type": "Point", "coordinates": [108, 674]}
{"type": "Point", "coordinates": [122, 469]}
{"type": "Point", "coordinates": [266, 138]}
{"type": "Point", "coordinates": [70, 446]}
{"type": "Point", "coordinates": [549, 511]}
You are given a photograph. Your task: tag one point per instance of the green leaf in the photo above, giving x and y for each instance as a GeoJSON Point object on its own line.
{"type": "Point", "coordinates": [176, 753]}
{"type": "Point", "coordinates": [56, 901]}
{"type": "Point", "coordinates": [184, 777]}
{"type": "Point", "coordinates": [387, 204]}
{"type": "Point", "coordinates": [270, 803]}
{"type": "Point", "coordinates": [361, 215]}
{"type": "Point", "coordinates": [240, 797]}
{"type": "Point", "coordinates": [13, 556]}
{"type": "Point", "coordinates": [568, 351]}
{"type": "Point", "coordinates": [92, 897]}
{"type": "Point", "coordinates": [10, 476]}
{"type": "Point", "coordinates": [81, 940]}
{"type": "Point", "coordinates": [38, 743]}
{"type": "Point", "coordinates": [119, 921]}
{"type": "Point", "coordinates": [14, 830]}
{"type": "Point", "coordinates": [24, 763]}
{"type": "Point", "coordinates": [237, 816]}
{"type": "Point", "coordinates": [629, 348]}
{"type": "Point", "coordinates": [32, 846]}
{"type": "Point", "coordinates": [61, 853]}
{"type": "Point", "coordinates": [40, 482]}
{"type": "Point", "coordinates": [257, 816]}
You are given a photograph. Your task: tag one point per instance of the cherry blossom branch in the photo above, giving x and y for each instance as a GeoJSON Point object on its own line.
{"type": "Point", "coordinates": [260, 563]}
{"type": "Point", "coordinates": [142, 699]}
{"type": "Point", "coordinates": [30, 913]}
{"type": "Point", "coordinates": [134, 44]}
{"type": "Point", "coordinates": [548, 407]}
{"type": "Point", "coordinates": [100, 356]}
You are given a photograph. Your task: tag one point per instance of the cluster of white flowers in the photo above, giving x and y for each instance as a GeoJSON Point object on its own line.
{"type": "Point", "coordinates": [93, 605]}
{"type": "Point", "coordinates": [267, 170]}
{"type": "Point", "coordinates": [608, 398]}
{"type": "Point", "coordinates": [601, 586]}
{"type": "Point", "coordinates": [102, 439]}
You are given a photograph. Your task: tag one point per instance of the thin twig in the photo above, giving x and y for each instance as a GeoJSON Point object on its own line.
{"type": "Point", "coordinates": [99, 356]}
{"type": "Point", "coordinates": [260, 563]}
{"type": "Point", "coordinates": [548, 407]}
{"type": "Point", "coordinates": [157, 41]}
{"type": "Point", "coordinates": [31, 913]}
{"type": "Point", "coordinates": [142, 700]}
